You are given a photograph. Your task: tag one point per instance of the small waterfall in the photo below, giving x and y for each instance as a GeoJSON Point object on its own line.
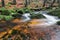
{"type": "Point", "coordinates": [25, 17]}
{"type": "Point", "coordinates": [50, 20]}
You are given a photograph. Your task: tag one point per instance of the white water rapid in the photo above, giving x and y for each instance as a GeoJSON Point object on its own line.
{"type": "Point", "coordinates": [26, 17]}
{"type": "Point", "coordinates": [50, 20]}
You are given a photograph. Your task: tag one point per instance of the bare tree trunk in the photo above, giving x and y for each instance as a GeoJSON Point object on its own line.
{"type": "Point", "coordinates": [25, 3]}
{"type": "Point", "coordinates": [59, 3]}
{"type": "Point", "coordinates": [14, 2]}
{"type": "Point", "coordinates": [29, 1]}
{"type": "Point", "coordinates": [52, 3]}
{"type": "Point", "coordinates": [44, 3]}
{"type": "Point", "coordinates": [3, 4]}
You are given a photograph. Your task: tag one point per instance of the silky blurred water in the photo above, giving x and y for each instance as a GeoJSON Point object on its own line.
{"type": "Point", "coordinates": [49, 20]}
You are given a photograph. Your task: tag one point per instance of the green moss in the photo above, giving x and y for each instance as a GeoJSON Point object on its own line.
{"type": "Point", "coordinates": [37, 16]}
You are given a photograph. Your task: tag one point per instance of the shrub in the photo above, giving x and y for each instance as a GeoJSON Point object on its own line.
{"type": "Point", "coordinates": [1, 17]}
{"type": "Point", "coordinates": [8, 18]}
{"type": "Point", "coordinates": [6, 14]}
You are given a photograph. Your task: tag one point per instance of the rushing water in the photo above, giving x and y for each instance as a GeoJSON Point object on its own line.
{"type": "Point", "coordinates": [26, 17]}
{"type": "Point", "coordinates": [50, 20]}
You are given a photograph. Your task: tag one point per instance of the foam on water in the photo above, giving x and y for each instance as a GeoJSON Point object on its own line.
{"type": "Point", "coordinates": [50, 20]}
{"type": "Point", "coordinates": [25, 17]}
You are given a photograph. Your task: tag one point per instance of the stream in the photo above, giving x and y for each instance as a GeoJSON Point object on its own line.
{"type": "Point", "coordinates": [49, 20]}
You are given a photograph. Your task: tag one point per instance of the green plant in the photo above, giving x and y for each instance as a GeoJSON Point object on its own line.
{"type": "Point", "coordinates": [25, 10]}
{"type": "Point", "coordinates": [1, 17]}
{"type": "Point", "coordinates": [6, 14]}
{"type": "Point", "coordinates": [20, 11]}
{"type": "Point", "coordinates": [8, 17]}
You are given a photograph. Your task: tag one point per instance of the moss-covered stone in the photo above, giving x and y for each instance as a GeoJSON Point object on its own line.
{"type": "Point", "coordinates": [58, 22]}
{"type": "Point", "coordinates": [55, 13]}
{"type": "Point", "coordinates": [37, 16]}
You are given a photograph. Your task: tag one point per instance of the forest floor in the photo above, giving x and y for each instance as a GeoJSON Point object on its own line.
{"type": "Point", "coordinates": [47, 33]}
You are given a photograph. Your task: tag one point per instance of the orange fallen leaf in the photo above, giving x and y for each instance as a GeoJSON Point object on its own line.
{"type": "Point", "coordinates": [2, 34]}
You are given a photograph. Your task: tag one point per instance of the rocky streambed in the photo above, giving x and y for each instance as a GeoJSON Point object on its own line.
{"type": "Point", "coordinates": [50, 32]}
{"type": "Point", "coordinates": [37, 29]}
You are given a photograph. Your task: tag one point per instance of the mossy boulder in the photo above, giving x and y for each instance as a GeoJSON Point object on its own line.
{"type": "Point", "coordinates": [37, 16]}
{"type": "Point", "coordinates": [58, 23]}
{"type": "Point", "coordinates": [55, 13]}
